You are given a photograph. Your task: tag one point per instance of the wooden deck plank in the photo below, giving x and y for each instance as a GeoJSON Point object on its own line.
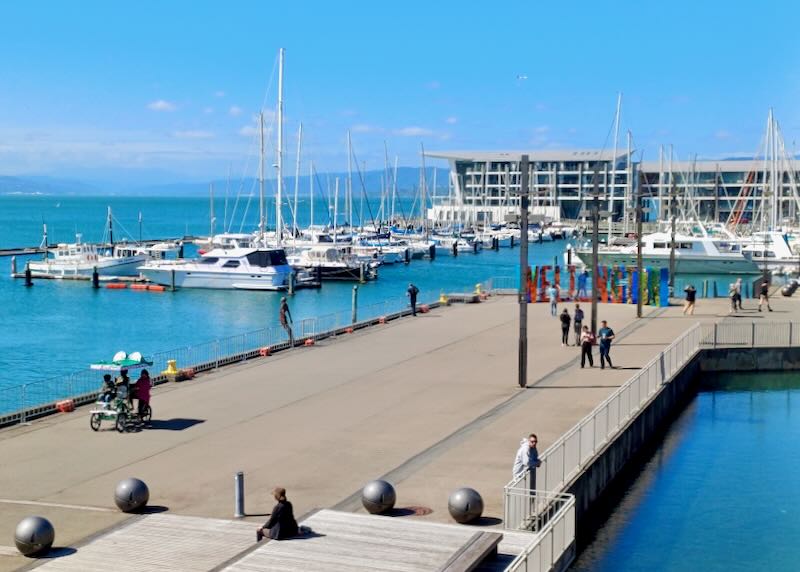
{"type": "Point", "coordinates": [164, 542]}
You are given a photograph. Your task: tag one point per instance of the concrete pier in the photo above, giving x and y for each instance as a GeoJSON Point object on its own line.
{"type": "Point", "coordinates": [428, 403]}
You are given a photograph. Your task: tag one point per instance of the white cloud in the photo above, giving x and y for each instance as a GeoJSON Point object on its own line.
{"type": "Point", "coordinates": [161, 105]}
{"type": "Point", "coordinates": [364, 128]}
{"type": "Point", "coordinates": [219, 93]}
{"type": "Point", "coordinates": [193, 134]}
{"type": "Point", "coordinates": [249, 130]}
{"type": "Point", "coordinates": [235, 110]}
{"type": "Point", "coordinates": [413, 131]}
{"type": "Point", "coordinates": [451, 120]}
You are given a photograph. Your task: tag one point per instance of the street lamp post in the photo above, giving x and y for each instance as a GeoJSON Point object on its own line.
{"type": "Point", "coordinates": [673, 220]}
{"type": "Point", "coordinates": [523, 272]}
{"type": "Point", "coordinates": [595, 214]}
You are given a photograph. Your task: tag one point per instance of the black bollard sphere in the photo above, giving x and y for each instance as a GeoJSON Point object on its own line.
{"type": "Point", "coordinates": [378, 497]}
{"type": "Point", "coordinates": [34, 535]}
{"type": "Point", "coordinates": [465, 505]}
{"type": "Point", "coordinates": [131, 495]}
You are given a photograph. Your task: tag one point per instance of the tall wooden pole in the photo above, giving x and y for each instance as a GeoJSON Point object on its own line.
{"type": "Point", "coordinates": [523, 271]}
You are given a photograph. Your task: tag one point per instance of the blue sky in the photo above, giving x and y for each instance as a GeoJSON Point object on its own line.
{"type": "Point", "coordinates": [168, 90]}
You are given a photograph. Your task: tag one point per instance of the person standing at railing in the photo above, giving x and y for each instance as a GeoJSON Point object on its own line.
{"type": "Point", "coordinates": [606, 335]}
{"type": "Point", "coordinates": [527, 459]}
{"type": "Point", "coordinates": [285, 317]}
{"type": "Point", "coordinates": [412, 297]}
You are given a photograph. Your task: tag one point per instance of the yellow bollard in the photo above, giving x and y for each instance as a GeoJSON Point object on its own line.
{"type": "Point", "coordinates": [172, 368]}
{"type": "Point", "coordinates": [443, 299]}
{"type": "Point", "coordinates": [478, 288]}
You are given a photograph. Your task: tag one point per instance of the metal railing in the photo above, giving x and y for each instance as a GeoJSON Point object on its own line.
{"type": "Point", "coordinates": [569, 455]}
{"type": "Point", "coordinates": [21, 402]}
{"type": "Point", "coordinates": [556, 535]}
{"type": "Point", "coordinates": [751, 334]}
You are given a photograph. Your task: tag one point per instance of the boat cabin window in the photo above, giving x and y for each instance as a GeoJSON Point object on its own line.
{"type": "Point", "coordinates": [231, 264]}
{"type": "Point", "coordinates": [659, 245]}
{"type": "Point", "coordinates": [209, 260]}
{"type": "Point", "coordinates": [267, 258]}
{"type": "Point", "coordinates": [685, 246]}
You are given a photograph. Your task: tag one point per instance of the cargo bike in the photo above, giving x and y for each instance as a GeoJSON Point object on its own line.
{"type": "Point", "coordinates": [114, 403]}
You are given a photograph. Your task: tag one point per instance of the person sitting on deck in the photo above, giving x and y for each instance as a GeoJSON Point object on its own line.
{"type": "Point", "coordinates": [281, 523]}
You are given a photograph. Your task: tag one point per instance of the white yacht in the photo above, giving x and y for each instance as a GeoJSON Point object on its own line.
{"type": "Point", "coordinates": [227, 269]}
{"type": "Point", "coordinates": [333, 262]}
{"type": "Point", "coordinates": [771, 251]}
{"type": "Point", "coordinates": [79, 258]}
{"type": "Point", "coordinates": [693, 255]}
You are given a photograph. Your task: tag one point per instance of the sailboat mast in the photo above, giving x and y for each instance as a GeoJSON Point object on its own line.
{"type": "Point", "coordinates": [278, 195]}
{"type": "Point", "coordinates": [110, 228]}
{"type": "Point", "coordinates": [297, 178]}
{"type": "Point", "coordinates": [423, 200]}
{"type": "Point", "coordinates": [613, 170]}
{"type": "Point", "coordinates": [349, 190]}
{"type": "Point", "coordinates": [311, 194]}
{"type": "Point", "coordinates": [212, 218]}
{"type": "Point", "coordinates": [335, 209]}
{"type": "Point", "coordinates": [261, 179]}
{"type": "Point", "coordinates": [394, 187]}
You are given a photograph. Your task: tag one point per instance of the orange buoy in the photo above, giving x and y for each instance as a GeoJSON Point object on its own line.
{"type": "Point", "coordinates": [65, 406]}
{"type": "Point", "coordinates": [309, 342]}
{"type": "Point", "coordinates": [156, 288]}
{"type": "Point", "coordinates": [116, 286]}
{"type": "Point", "coordinates": [382, 320]}
{"type": "Point", "coordinates": [348, 330]}
{"type": "Point", "coordinates": [264, 352]}
{"type": "Point", "coordinates": [138, 286]}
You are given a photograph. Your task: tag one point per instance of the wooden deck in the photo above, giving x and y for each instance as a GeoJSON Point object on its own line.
{"type": "Point", "coordinates": [350, 542]}
{"type": "Point", "coordinates": [160, 542]}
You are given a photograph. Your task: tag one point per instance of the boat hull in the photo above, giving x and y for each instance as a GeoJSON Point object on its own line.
{"type": "Point", "coordinates": [264, 280]}
{"type": "Point", "coordinates": [118, 267]}
{"type": "Point", "coordinates": [683, 264]}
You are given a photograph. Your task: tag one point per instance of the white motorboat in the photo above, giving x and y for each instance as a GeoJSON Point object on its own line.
{"type": "Point", "coordinates": [333, 262]}
{"type": "Point", "coordinates": [226, 269]}
{"type": "Point", "coordinates": [771, 251]}
{"type": "Point", "coordinates": [693, 255]}
{"type": "Point", "coordinates": [79, 258]}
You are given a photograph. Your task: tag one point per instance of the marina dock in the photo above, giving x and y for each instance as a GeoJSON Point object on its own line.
{"type": "Point", "coordinates": [428, 403]}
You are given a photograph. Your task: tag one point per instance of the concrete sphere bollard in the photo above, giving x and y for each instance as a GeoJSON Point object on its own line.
{"type": "Point", "coordinates": [465, 505]}
{"type": "Point", "coordinates": [131, 495]}
{"type": "Point", "coordinates": [34, 535]}
{"type": "Point", "coordinates": [378, 496]}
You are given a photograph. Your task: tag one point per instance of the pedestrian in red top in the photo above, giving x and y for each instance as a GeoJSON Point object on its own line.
{"type": "Point", "coordinates": [143, 385]}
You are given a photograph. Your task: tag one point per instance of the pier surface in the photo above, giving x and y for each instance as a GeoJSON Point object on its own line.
{"type": "Point", "coordinates": [429, 403]}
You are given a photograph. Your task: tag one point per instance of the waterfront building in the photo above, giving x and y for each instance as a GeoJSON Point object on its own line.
{"type": "Point", "coordinates": [484, 187]}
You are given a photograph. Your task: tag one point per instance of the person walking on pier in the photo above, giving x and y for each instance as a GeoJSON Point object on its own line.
{"type": "Point", "coordinates": [732, 296]}
{"type": "Point", "coordinates": [412, 297]}
{"type": "Point", "coordinates": [587, 341]}
{"type": "Point", "coordinates": [764, 295]}
{"type": "Point", "coordinates": [527, 459]}
{"type": "Point", "coordinates": [583, 279]}
{"type": "Point", "coordinates": [606, 335]}
{"type": "Point", "coordinates": [566, 320]}
{"type": "Point", "coordinates": [577, 323]}
{"type": "Point", "coordinates": [285, 317]}
{"type": "Point", "coordinates": [552, 294]}
{"type": "Point", "coordinates": [691, 295]}
{"type": "Point", "coordinates": [738, 287]}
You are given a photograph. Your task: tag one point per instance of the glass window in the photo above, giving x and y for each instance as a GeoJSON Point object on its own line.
{"type": "Point", "coordinates": [659, 245]}
{"type": "Point", "coordinates": [209, 260]}
{"type": "Point", "coordinates": [278, 257]}
{"type": "Point", "coordinates": [231, 264]}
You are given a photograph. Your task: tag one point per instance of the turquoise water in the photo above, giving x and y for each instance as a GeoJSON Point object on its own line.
{"type": "Point", "coordinates": [721, 491]}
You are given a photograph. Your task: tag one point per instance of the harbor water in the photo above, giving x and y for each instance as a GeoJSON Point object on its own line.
{"type": "Point", "coordinates": [58, 327]}
{"type": "Point", "coordinates": [719, 492]}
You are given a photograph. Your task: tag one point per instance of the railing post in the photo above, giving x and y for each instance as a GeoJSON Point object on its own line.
{"type": "Point", "coordinates": [216, 351]}
{"type": "Point", "coordinates": [22, 404]}
{"type": "Point", "coordinates": [790, 334]}
{"type": "Point", "coordinates": [753, 335]}
{"type": "Point", "coordinates": [715, 335]}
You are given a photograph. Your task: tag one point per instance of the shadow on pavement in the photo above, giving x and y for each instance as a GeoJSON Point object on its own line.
{"type": "Point", "coordinates": [177, 424]}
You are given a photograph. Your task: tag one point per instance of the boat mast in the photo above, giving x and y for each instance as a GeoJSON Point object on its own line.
{"type": "Point", "coordinates": [110, 228]}
{"type": "Point", "coordinates": [628, 185]}
{"type": "Point", "coordinates": [394, 188]}
{"type": "Point", "coordinates": [311, 191]}
{"type": "Point", "coordinates": [261, 180]}
{"type": "Point", "coordinates": [212, 218]}
{"type": "Point", "coordinates": [423, 202]}
{"type": "Point", "coordinates": [610, 190]}
{"type": "Point", "coordinates": [335, 210]}
{"type": "Point", "coordinates": [278, 221]}
{"type": "Point", "coordinates": [349, 190]}
{"type": "Point", "coordinates": [297, 178]}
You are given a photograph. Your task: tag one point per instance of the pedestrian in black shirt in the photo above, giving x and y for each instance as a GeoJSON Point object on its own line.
{"type": "Point", "coordinates": [566, 320]}
{"type": "Point", "coordinates": [691, 294]}
{"type": "Point", "coordinates": [412, 297]}
{"type": "Point", "coordinates": [764, 296]}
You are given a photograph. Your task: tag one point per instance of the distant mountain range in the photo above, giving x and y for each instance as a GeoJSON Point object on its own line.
{"type": "Point", "coordinates": [408, 180]}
